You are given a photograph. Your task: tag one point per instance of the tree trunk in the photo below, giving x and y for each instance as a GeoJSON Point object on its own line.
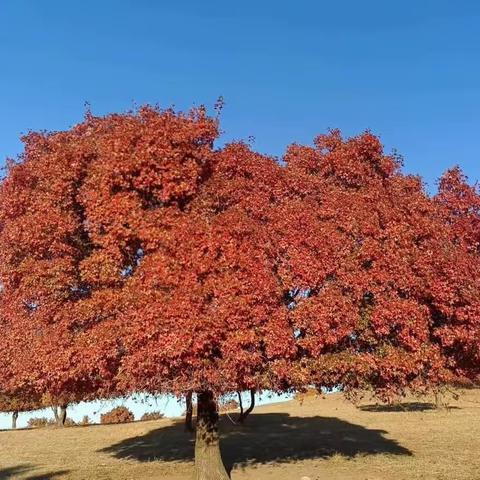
{"type": "Point", "coordinates": [240, 404]}
{"type": "Point", "coordinates": [244, 414]}
{"type": "Point", "coordinates": [439, 400]}
{"type": "Point", "coordinates": [62, 416]}
{"type": "Point", "coordinates": [189, 412]}
{"type": "Point", "coordinates": [55, 413]}
{"type": "Point", "coordinates": [208, 460]}
{"type": "Point", "coordinates": [14, 420]}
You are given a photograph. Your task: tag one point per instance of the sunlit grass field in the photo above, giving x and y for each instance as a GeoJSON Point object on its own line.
{"type": "Point", "coordinates": [319, 438]}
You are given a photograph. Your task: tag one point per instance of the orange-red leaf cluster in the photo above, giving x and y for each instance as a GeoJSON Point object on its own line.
{"type": "Point", "coordinates": [135, 255]}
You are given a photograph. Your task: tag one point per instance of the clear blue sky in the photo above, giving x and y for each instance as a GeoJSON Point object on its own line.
{"type": "Point", "coordinates": [288, 70]}
{"type": "Point", "coordinates": [408, 70]}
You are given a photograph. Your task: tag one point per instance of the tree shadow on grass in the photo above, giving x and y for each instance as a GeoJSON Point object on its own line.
{"type": "Point", "coordinates": [265, 438]}
{"type": "Point", "coordinates": [14, 472]}
{"type": "Point", "coordinates": [402, 407]}
{"type": "Point", "coordinates": [48, 476]}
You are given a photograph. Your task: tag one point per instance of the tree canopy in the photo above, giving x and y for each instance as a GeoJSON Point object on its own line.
{"type": "Point", "coordinates": [135, 255]}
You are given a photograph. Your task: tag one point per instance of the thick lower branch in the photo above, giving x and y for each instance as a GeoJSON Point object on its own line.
{"type": "Point", "coordinates": [189, 412]}
{"type": "Point", "coordinates": [244, 414]}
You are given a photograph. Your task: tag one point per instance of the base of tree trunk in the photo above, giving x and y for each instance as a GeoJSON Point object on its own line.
{"type": "Point", "coordinates": [208, 460]}
{"type": "Point", "coordinates": [244, 414]}
{"type": "Point", "coordinates": [14, 420]}
{"type": "Point", "coordinates": [62, 415]}
{"type": "Point", "coordinates": [55, 413]}
{"type": "Point", "coordinates": [440, 402]}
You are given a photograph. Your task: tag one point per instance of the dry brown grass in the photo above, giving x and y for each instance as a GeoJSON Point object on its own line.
{"type": "Point", "coordinates": [320, 438]}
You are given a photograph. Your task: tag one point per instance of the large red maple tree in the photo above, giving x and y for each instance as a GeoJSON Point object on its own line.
{"type": "Point", "coordinates": [136, 256]}
{"type": "Point", "coordinates": [459, 204]}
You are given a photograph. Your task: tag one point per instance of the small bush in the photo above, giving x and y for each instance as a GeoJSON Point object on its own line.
{"type": "Point", "coordinates": [117, 415]}
{"type": "Point", "coordinates": [228, 406]}
{"type": "Point", "coordinates": [39, 422]}
{"type": "Point", "coordinates": [85, 420]}
{"type": "Point", "coordinates": [151, 416]}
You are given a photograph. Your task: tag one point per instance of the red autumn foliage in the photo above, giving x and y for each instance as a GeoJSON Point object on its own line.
{"type": "Point", "coordinates": [135, 256]}
{"type": "Point", "coordinates": [147, 416]}
{"type": "Point", "coordinates": [460, 203]}
{"type": "Point", "coordinates": [20, 404]}
{"type": "Point", "coordinates": [117, 415]}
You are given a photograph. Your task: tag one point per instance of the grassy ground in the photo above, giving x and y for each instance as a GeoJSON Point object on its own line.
{"type": "Point", "coordinates": [325, 438]}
